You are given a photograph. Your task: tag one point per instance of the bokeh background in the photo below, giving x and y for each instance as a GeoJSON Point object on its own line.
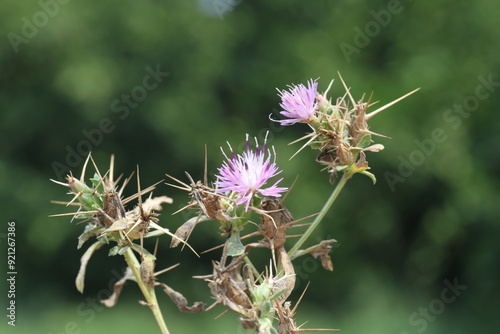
{"type": "Point", "coordinates": [71, 68]}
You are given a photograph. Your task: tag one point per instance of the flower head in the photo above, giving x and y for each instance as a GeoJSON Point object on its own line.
{"type": "Point", "coordinates": [247, 173]}
{"type": "Point", "coordinates": [299, 103]}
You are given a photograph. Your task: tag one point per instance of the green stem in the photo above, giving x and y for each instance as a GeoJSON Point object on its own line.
{"type": "Point", "coordinates": [321, 215]}
{"type": "Point", "coordinates": [148, 292]}
{"type": "Point", "coordinates": [254, 270]}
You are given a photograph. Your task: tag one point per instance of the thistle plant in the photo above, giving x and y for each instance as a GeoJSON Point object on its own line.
{"type": "Point", "coordinates": [246, 198]}
{"type": "Point", "coordinates": [102, 208]}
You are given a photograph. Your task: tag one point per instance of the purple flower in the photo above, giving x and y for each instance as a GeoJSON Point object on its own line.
{"type": "Point", "coordinates": [299, 103]}
{"type": "Point", "coordinates": [247, 173]}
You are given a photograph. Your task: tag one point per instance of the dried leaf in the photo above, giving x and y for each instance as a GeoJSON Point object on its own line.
{"type": "Point", "coordinates": [90, 231]}
{"type": "Point", "coordinates": [184, 231]}
{"type": "Point", "coordinates": [322, 249]}
{"type": "Point", "coordinates": [362, 164]}
{"type": "Point", "coordinates": [111, 301]}
{"type": "Point", "coordinates": [155, 203]}
{"type": "Point", "coordinates": [181, 301]}
{"type": "Point", "coordinates": [375, 148]}
{"type": "Point", "coordinates": [120, 224]}
{"type": "Point", "coordinates": [83, 264]}
{"type": "Point", "coordinates": [167, 232]}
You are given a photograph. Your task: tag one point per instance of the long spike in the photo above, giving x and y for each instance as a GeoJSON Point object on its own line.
{"type": "Point", "coordinates": [64, 203]}
{"type": "Point", "coordinates": [178, 187]}
{"type": "Point", "coordinates": [300, 298]}
{"type": "Point", "coordinates": [166, 231]}
{"type": "Point", "coordinates": [101, 181]}
{"type": "Point", "coordinates": [74, 198]}
{"type": "Point", "coordinates": [144, 191]}
{"type": "Point", "coordinates": [347, 89]}
{"type": "Point", "coordinates": [304, 146]}
{"type": "Point", "coordinates": [112, 169]}
{"type": "Point", "coordinates": [166, 269]}
{"type": "Point", "coordinates": [301, 138]}
{"type": "Point", "coordinates": [289, 189]}
{"type": "Point", "coordinates": [184, 208]}
{"type": "Point", "coordinates": [96, 169]}
{"type": "Point", "coordinates": [329, 86]}
{"type": "Point", "coordinates": [205, 174]}
{"type": "Point", "coordinates": [378, 134]}
{"type": "Point", "coordinates": [127, 180]}
{"type": "Point", "coordinates": [190, 179]}
{"type": "Point", "coordinates": [73, 213]}
{"type": "Point", "coordinates": [139, 190]}
{"type": "Point", "coordinates": [179, 181]}
{"type": "Point", "coordinates": [373, 113]}
{"type": "Point", "coordinates": [82, 178]}
{"type": "Point", "coordinates": [60, 183]}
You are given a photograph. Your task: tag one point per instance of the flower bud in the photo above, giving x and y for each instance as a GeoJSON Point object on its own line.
{"type": "Point", "coordinates": [86, 195]}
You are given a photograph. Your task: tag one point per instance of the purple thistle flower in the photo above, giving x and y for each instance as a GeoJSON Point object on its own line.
{"type": "Point", "coordinates": [299, 103]}
{"type": "Point", "coordinates": [247, 173]}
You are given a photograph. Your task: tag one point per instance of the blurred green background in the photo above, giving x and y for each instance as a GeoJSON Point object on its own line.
{"type": "Point", "coordinates": [72, 70]}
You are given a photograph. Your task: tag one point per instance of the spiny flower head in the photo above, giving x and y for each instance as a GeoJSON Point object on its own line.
{"type": "Point", "coordinates": [299, 103]}
{"type": "Point", "coordinates": [246, 174]}
{"type": "Point", "coordinates": [340, 129]}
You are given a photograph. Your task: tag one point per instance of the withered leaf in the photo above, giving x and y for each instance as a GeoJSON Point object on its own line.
{"type": "Point", "coordinates": [90, 231]}
{"type": "Point", "coordinates": [375, 148]}
{"type": "Point", "coordinates": [83, 264]}
{"type": "Point", "coordinates": [181, 301]}
{"type": "Point", "coordinates": [155, 203]}
{"type": "Point", "coordinates": [120, 224]}
{"type": "Point", "coordinates": [184, 231]}
{"type": "Point", "coordinates": [111, 301]}
{"type": "Point", "coordinates": [322, 249]}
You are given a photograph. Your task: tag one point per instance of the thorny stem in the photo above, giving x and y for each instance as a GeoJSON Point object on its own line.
{"type": "Point", "coordinates": [321, 215]}
{"type": "Point", "coordinates": [148, 292]}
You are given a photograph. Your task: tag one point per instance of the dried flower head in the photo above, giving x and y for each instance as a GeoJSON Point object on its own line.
{"type": "Point", "coordinates": [246, 174]}
{"type": "Point", "coordinates": [299, 103]}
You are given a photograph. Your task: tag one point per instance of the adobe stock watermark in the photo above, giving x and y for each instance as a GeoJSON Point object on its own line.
{"type": "Point", "coordinates": [120, 107]}
{"type": "Point", "coordinates": [363, 36]}
{"type": "Point", "coordinates": [30, 26]}
{"type": "Point", "coordinates": [453, 118]}
{"type": "Point", "coordinates": [88, 309]}
{"type": "Point", "coordinates": [421, 318]}
{"type": "Point", "coordinates": [309, 264]}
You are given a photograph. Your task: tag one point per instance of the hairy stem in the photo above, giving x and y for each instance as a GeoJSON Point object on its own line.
{"type": "Point", "coordinates": [148, 292]}
{"type": "Point", "coordinates": [321, 215]}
